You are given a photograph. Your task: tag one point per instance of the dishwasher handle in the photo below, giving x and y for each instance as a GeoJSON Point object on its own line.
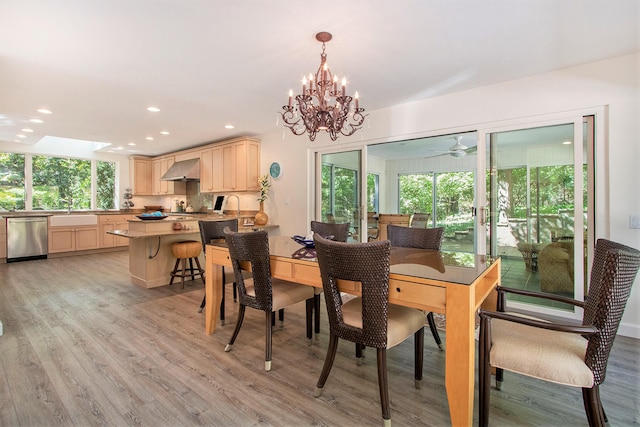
{"type": "Point", "coordinates": [28, 219]}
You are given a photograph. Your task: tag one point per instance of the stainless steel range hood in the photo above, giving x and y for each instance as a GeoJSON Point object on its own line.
{"type": "Point", "coordinates": [186, 170]}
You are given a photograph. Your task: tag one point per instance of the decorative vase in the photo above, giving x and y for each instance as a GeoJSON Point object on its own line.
{"type": "Point", "coordinates": [261, 217]}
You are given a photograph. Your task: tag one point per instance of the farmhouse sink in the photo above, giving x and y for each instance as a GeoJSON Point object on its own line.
{"type": "Point", "coordinates": [71, 220]}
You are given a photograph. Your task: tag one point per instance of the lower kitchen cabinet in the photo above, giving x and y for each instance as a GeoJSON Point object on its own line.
{"type": "Point", "coordinates": [110, 223]}
{"type": "Point", "coordinates": [69, 239]}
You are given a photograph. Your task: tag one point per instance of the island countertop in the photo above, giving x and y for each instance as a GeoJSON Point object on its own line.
{"type": "Point", "coordinates": [151, 259]}
{"type": "Point", "coordinates": [134, 234]}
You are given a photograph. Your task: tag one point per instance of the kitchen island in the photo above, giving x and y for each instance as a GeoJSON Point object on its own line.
{"type": "Point", "coordinates": [151, 260]}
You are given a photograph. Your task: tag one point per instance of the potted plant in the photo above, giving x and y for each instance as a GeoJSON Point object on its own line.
{"type": "Point", "coordinates": [264, 185]}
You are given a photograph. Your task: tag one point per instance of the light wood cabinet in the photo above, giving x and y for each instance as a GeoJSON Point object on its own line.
{"type": "Point", "coordinates": [3, 238]}
{"type": "Point", "coordinates": [211, 170]}
{"type": "Point", "coordinates": [110, 223]}
{"type": "Point", "coordinates": [69, 239]}
{"type": "Point", "coordinates": [230, 167]}
{"type": "Point", "coordinates": [123, 224]}
{"type": "Point", "coordinates": [107, 240]}
{"type": "Point", "coordinates": [162, 188]}
{"type": "Point", "coordinates": [140, 171]}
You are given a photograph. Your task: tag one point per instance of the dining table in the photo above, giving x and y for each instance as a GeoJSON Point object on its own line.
{"type": "Point", "coordinates": [456, 284]}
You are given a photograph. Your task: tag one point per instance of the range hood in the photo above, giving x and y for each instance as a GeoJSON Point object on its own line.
{"type": "Point", "coordinates": [186, 170]}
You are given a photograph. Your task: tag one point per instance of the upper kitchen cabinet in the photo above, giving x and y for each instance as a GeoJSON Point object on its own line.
{"type": "Point", "coordinates": [211, 170]}
{"type": "Point", "coordinates": [140, 175]}
{"type": "Point", "coordinates": [163, 188]}
{"type": "Point", "coordinates": [230, 167]}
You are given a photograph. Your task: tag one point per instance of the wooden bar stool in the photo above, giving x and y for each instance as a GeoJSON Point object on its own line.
{"type": "Point", "coordinates": [183, 251]}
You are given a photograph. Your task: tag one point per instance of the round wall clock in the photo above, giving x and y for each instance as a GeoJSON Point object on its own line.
{"type": "Point", "coordinates": [275, 170]}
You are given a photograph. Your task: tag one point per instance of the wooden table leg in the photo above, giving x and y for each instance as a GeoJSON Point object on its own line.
{"type": "Point", "coordinates": [461, 305]}
{"type": "Point", "coordinates": [213, 293]}
{"type": "Point", "coordinates": [460, 354]}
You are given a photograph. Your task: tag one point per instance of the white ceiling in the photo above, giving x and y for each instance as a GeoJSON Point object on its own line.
{"type": "Point", "coordinates": [98, 64]}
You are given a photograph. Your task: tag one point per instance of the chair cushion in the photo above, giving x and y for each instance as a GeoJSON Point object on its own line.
{"type": "Point", "coordinates": [287, 293]}
{"type": "Point", "coordinates": [540, 353]}
{"type": "Point", "coordinates": [402, 322]}
{"type": "Point", "coordinates": [283, 293]}
{"type": "Point", "coordinates": [230, 277]}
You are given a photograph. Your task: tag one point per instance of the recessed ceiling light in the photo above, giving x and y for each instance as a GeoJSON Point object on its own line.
{"type": "Point", "coordinates": [153, 109]}
{"type": "Point", "coordinates": [36, 121]}
{"type": "Point", "coordinates": [21, 135]}
{"type": "Point", "coordinates": [567, 142]}
{"type": "Point", "coordinates": [149, 138]}
{"type": "Point", "coordinates": [119, 148]}
{"type": "Point", "coordinates": [229, 126]}
{"type": "Point", "coordinates": [164, 132]}
{"type": "Point", "coordinates": [131, 143]}
{"type": "Point", "coordinates": [44, 111]}
{"type": "Point", "coordinates": [27, 130]}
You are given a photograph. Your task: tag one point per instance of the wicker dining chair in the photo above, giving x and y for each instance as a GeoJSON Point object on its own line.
{"type": "Point", "coordinates": [339, 233]}
{"type": "Point", "coordinates": [420, 220]}
{"type": "Point", "coordinates": [573, 355]}
{"type": "Point", "coordinates": [211, 230]}
{"type": "Point", "coordinates": [368, 320]}
{"type": "Point", "coordinates": [423, 238]}
{"type": "Point", "coordinates": [262, 291]}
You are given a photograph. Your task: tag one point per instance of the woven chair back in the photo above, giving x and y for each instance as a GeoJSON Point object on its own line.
{"type": "Point", "coordinates": [368, 264]}
{"type": "Point", "coordinates": [252, 248]}
{"type": "Point", "coordinates": [423, 238]}
{"type": "Point", "coordinates": [614, 270]}
{"type": "Point", "coordinates": [340, 232]}
{"type": "Point", "coordinates": [210, 230]}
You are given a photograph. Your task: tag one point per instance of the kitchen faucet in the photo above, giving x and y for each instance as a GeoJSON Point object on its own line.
{"type": "Point", "coordinates": [69, 203]}
{"type": "Point", "coordinates": [238, 199]}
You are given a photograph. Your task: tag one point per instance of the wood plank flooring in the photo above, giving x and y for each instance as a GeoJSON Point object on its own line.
{"type": "Point", "coordinates": [82, 346]}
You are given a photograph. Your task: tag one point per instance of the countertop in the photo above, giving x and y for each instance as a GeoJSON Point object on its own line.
{"type": "Point", "coordinates": [22, 214]}
{"type": "Point", "coordinates": [194, 217]}
{"type": "Point", "coordinates": [142, 234]}
{"type": "Point", "coordinates": [182, 215]}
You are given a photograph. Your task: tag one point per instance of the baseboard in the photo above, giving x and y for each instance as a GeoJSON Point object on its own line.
{"type": "Point", "coordinates": [628, 330]}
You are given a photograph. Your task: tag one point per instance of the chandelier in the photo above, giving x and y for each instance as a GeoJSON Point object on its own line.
{"type": "Point", "coordinates": [322, 106]}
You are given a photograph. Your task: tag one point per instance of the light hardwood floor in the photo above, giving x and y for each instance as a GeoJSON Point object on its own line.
{"type": "Point", "coordinates": [82, 346]}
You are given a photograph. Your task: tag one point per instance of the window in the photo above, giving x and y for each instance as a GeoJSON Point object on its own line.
{"type": "Point", "coordinates": [56, 183]}
{"type": "Point", "coordinates": [61, 183]}
{"type": "Point", "coordinates": [12, 181]}
{"type": "Point", "coordinates": [373, 192]}
{"type": "Point", "coordinates": [106, 185]}
{"type": "Point", "coordinates": [339, 193]}
{"type": "Point", "coordinates": [416, 193]}
{"type": "Point", "coordinates": [453, 195]}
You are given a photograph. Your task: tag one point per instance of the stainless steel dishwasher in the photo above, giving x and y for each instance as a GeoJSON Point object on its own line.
{"type": "Point", "coordinates": [27, 238]}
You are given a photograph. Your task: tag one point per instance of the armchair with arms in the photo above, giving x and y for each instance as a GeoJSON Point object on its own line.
{"type": "Point", "coordinates": [573, 355]}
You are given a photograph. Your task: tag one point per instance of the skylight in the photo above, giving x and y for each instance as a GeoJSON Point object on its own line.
{"type": "Point", "coordinates": [54, 143]}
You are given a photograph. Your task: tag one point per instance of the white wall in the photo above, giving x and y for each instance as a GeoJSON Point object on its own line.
{"type": "Point", "coordinates": [612, 83]}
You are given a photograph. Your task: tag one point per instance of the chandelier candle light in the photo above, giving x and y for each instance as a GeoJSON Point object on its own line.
{"type": "Point", "coordinates": [321, 106]}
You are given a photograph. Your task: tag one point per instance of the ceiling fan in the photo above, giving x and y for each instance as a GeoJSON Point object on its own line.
{"type": "Point", "coordinates": [458, 149]}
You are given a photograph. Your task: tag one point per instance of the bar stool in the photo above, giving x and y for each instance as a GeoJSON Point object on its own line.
{"type": "Point", "coordinates": [183, 251]}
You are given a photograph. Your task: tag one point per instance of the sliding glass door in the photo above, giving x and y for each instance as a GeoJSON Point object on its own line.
{"type": "Point", "coordinates": [340, 189]}
{"type": "Point", "coordinates": [533, 206]}
{"type": "Point", "coordinates": [538, 203]}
